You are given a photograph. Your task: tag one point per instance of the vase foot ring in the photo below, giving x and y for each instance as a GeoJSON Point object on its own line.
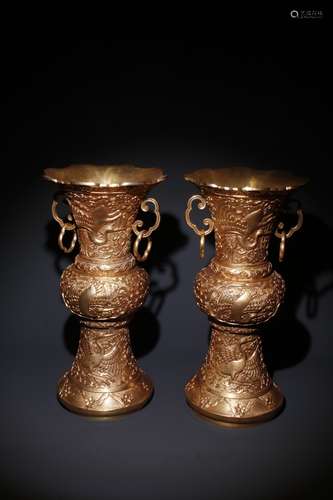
{"type": "Point", "coordinates": [112, 404]}
{"type": "Point", "coordinates": [255, 414]}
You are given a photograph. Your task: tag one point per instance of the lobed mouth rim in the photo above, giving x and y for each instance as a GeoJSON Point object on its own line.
{"type": "Point", "coordinates": [104, 176]}
{"type": "Point", "coordinates": [245, 179]}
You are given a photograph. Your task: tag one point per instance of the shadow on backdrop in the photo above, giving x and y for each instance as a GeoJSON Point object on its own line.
{"type": "Point", "coordinates": [308, 257]}
{"type": "Point", "coordinates": [144, 327]}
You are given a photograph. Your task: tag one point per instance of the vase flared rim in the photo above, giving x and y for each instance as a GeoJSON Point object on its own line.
{"type": "Point", "coordinates": [245, 179]}
{"type": "Point", "coordinates": [105, 176]}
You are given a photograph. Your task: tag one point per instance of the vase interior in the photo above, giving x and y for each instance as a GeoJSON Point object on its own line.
{"type": "Point", "coordinates": [245, 179]}
{"type": "Point", "coordinates": [104, 176]}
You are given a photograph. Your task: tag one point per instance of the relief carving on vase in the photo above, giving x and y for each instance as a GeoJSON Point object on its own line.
{"type": "Point", "coordinates": [238, 289]}
{"type": "Point", "coordinates": [244, 227]}
{"type": "Point", "coordinates": [104, 287]}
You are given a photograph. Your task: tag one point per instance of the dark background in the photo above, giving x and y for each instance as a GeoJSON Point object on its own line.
{"type": "Point", "coordinates": [251, 94]}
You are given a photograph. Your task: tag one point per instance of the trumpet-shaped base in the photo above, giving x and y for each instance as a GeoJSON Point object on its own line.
{"type": "Point", "coordinates": [233, 383]}
{"type": "Point", "coordinates": [105, 378]}
{"type": "Point", "coordinates": [239, 410]}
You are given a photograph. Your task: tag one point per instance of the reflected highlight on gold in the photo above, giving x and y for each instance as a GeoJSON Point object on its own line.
{"type": "Point", "coordinates": [245, 179]}
{"type": "Point", "coordinates": [105, 175]}
{"type": "Point", "coordinates": [103, 286]}
{"type": "Point", "coordinates": [239, 290]}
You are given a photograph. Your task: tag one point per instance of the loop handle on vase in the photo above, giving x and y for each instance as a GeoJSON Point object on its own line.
{"type": "Point", "coordinates": [206, 222]}
{"type": "Point", "coordinates": [145, 233]}
{"type": "Point", "coordinates": [65, 226]}
{"type": "Point", "coordinates": [283, 235]}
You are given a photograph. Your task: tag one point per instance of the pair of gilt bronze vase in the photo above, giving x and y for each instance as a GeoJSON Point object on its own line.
{"type": "Point", "coordinates": [238, 290]}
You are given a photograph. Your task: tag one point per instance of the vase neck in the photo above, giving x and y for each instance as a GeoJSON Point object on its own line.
{"type": "Point", "coordinates": [104, 220]}
{"type": "Point", "coordinates": [243, 224]}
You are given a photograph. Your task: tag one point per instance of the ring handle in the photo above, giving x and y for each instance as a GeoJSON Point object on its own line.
{"type": "Point", "coordinates": [206, 222]}
{"type": "Point", "coordinates": [65, 226]}
{"type": "Point", "coordinates": [145, 233]}
{"type": "Point", "coordinates": [281, 233]}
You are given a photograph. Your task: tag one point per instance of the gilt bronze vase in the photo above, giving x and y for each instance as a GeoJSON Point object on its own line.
{"type": "Point", "coordinates": [239, 290]}
{"type": "Point", "coordinates": [104, 287]}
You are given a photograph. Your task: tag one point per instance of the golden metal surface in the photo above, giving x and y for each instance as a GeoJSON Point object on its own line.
{"type": "Point", "coordinates": [245, 179]}
{"type": "Point", "coordinates": [145, 233]}
{"type": "Point", "coordinates": [65, 226]}
{"type": "Point", "coordinates": [280, 233]}
{"type": "Point", "coordinates": [239, 291]}
{"type": "Point", "coordinates": [104, 287]}
{"type": "Point", "coordinates": [206, 222]}
{"type": "Point", "coordinates": [104, 175]}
